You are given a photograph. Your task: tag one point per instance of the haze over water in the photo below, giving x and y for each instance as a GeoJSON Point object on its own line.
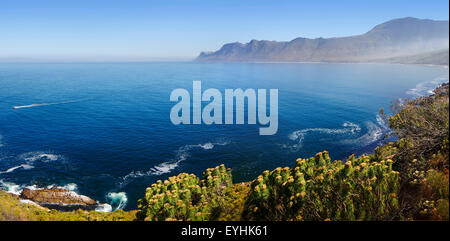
{"type": "Point", "coordinates": [104, 129]}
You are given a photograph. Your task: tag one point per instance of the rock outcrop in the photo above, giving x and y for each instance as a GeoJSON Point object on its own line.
{"type": "Point", "coordinates": [56, 196]}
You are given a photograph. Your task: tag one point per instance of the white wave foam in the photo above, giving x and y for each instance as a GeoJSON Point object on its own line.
{"type": "Point", "coordinates": [17, 189]}
{"type": "Point", "coordinates": [299, 136]}
{"type": "Point", "coordinates": [182, 154]}
{"type": "Point", "coordinates": [382, 123]}
{"type": "Point", "coordinates": [116, 199]}
{"type": "Point", "coordinates": [166, 167]}
{"type": "Point", "coordinates": [11, 187]}
{"type": "Point", "coordinates": [30, 158]}
{"type": "Point", "coordinates": [207, 146]}
{"type": "Point", "coordinates": [24, 166]}
{"type": "Point", "coordinates": [44, 104]}
{"type": "Point", "coordinates": [427, 88]}
{"type": "Point", "coordinates": [70, 186]}
{"type": "Point", "coordinates": [104, 208]}
{"type": "Point", "coordinates": [373, 134]}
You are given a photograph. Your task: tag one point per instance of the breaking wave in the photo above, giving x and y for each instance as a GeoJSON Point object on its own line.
{"type": "Point", "coordinates": [104, 208]}
{"type": "Point", "coordinates": [70, 186]}
{"type": "Point", "coordinates": [11, 187]}
{"type": "Point", "coordinates": [166, 167]}
{"type": "Point", "coordinates": [17, 189]}
{"type": "Point", "coordinates": [427, 88]}
{"type": "Point", "coordinates": [117, 200]}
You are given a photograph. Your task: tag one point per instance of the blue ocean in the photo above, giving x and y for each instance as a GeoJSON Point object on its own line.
{"type": "Point", "coordinates": [104, 130]}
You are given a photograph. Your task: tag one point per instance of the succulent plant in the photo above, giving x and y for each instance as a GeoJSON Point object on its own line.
{"type": "Point", "coordinates": [314, 189]}
{"type": "Point", "coordinates": [319, 189]}
{"type": "Point", "coordinates": [185, 197]}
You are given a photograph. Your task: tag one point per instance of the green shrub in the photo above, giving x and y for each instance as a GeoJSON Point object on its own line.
{"type": "Point", "coordinates": [421, 153]}
{"type": "Point", "coordinates": [318, 189]}
{"type": "Point", "coordinates": [442, 209]}
{"type": "Point", "coordinates": [421, 125]}
{"type": "Point", "coordinates": [186, 197]}
{"type": "Point", "coordinates": [432, 201]}
{"type": "Point", "coordinates": [438, 184]}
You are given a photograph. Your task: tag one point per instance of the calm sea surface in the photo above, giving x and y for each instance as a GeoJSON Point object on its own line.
{"type": "Point", "coordinates": [104, 129]}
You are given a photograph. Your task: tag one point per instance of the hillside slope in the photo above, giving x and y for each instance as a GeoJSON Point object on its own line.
{"type": "Point", "coordinates": [398, 37]}
{"type": "Point", "coordinates": [435, 58]}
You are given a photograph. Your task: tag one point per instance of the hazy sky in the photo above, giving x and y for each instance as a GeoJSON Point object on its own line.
{"type": "Point", "coordinates": [180, 29]}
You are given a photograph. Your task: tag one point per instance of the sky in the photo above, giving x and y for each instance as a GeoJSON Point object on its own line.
{"type": "Point", "coordinates": [135, 30]}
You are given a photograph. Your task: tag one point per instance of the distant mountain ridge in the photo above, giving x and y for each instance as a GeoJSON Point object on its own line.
{"type": "Point", "coordinates": [395, 38]}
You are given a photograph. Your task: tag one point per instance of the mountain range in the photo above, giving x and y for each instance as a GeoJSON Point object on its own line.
{"type": "Point", "coordinates": [386, 42]}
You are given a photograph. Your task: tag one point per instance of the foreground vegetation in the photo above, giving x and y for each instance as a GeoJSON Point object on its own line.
{"type": "Point", "coordinates": [403, 180]}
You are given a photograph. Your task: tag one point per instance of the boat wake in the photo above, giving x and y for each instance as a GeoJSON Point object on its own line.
{"type": "Point", "coordinates": [45, 104]}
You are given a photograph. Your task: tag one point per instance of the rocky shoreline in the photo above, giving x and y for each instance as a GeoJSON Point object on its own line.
{"type": "Point", "coordinates": [58, 198]}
